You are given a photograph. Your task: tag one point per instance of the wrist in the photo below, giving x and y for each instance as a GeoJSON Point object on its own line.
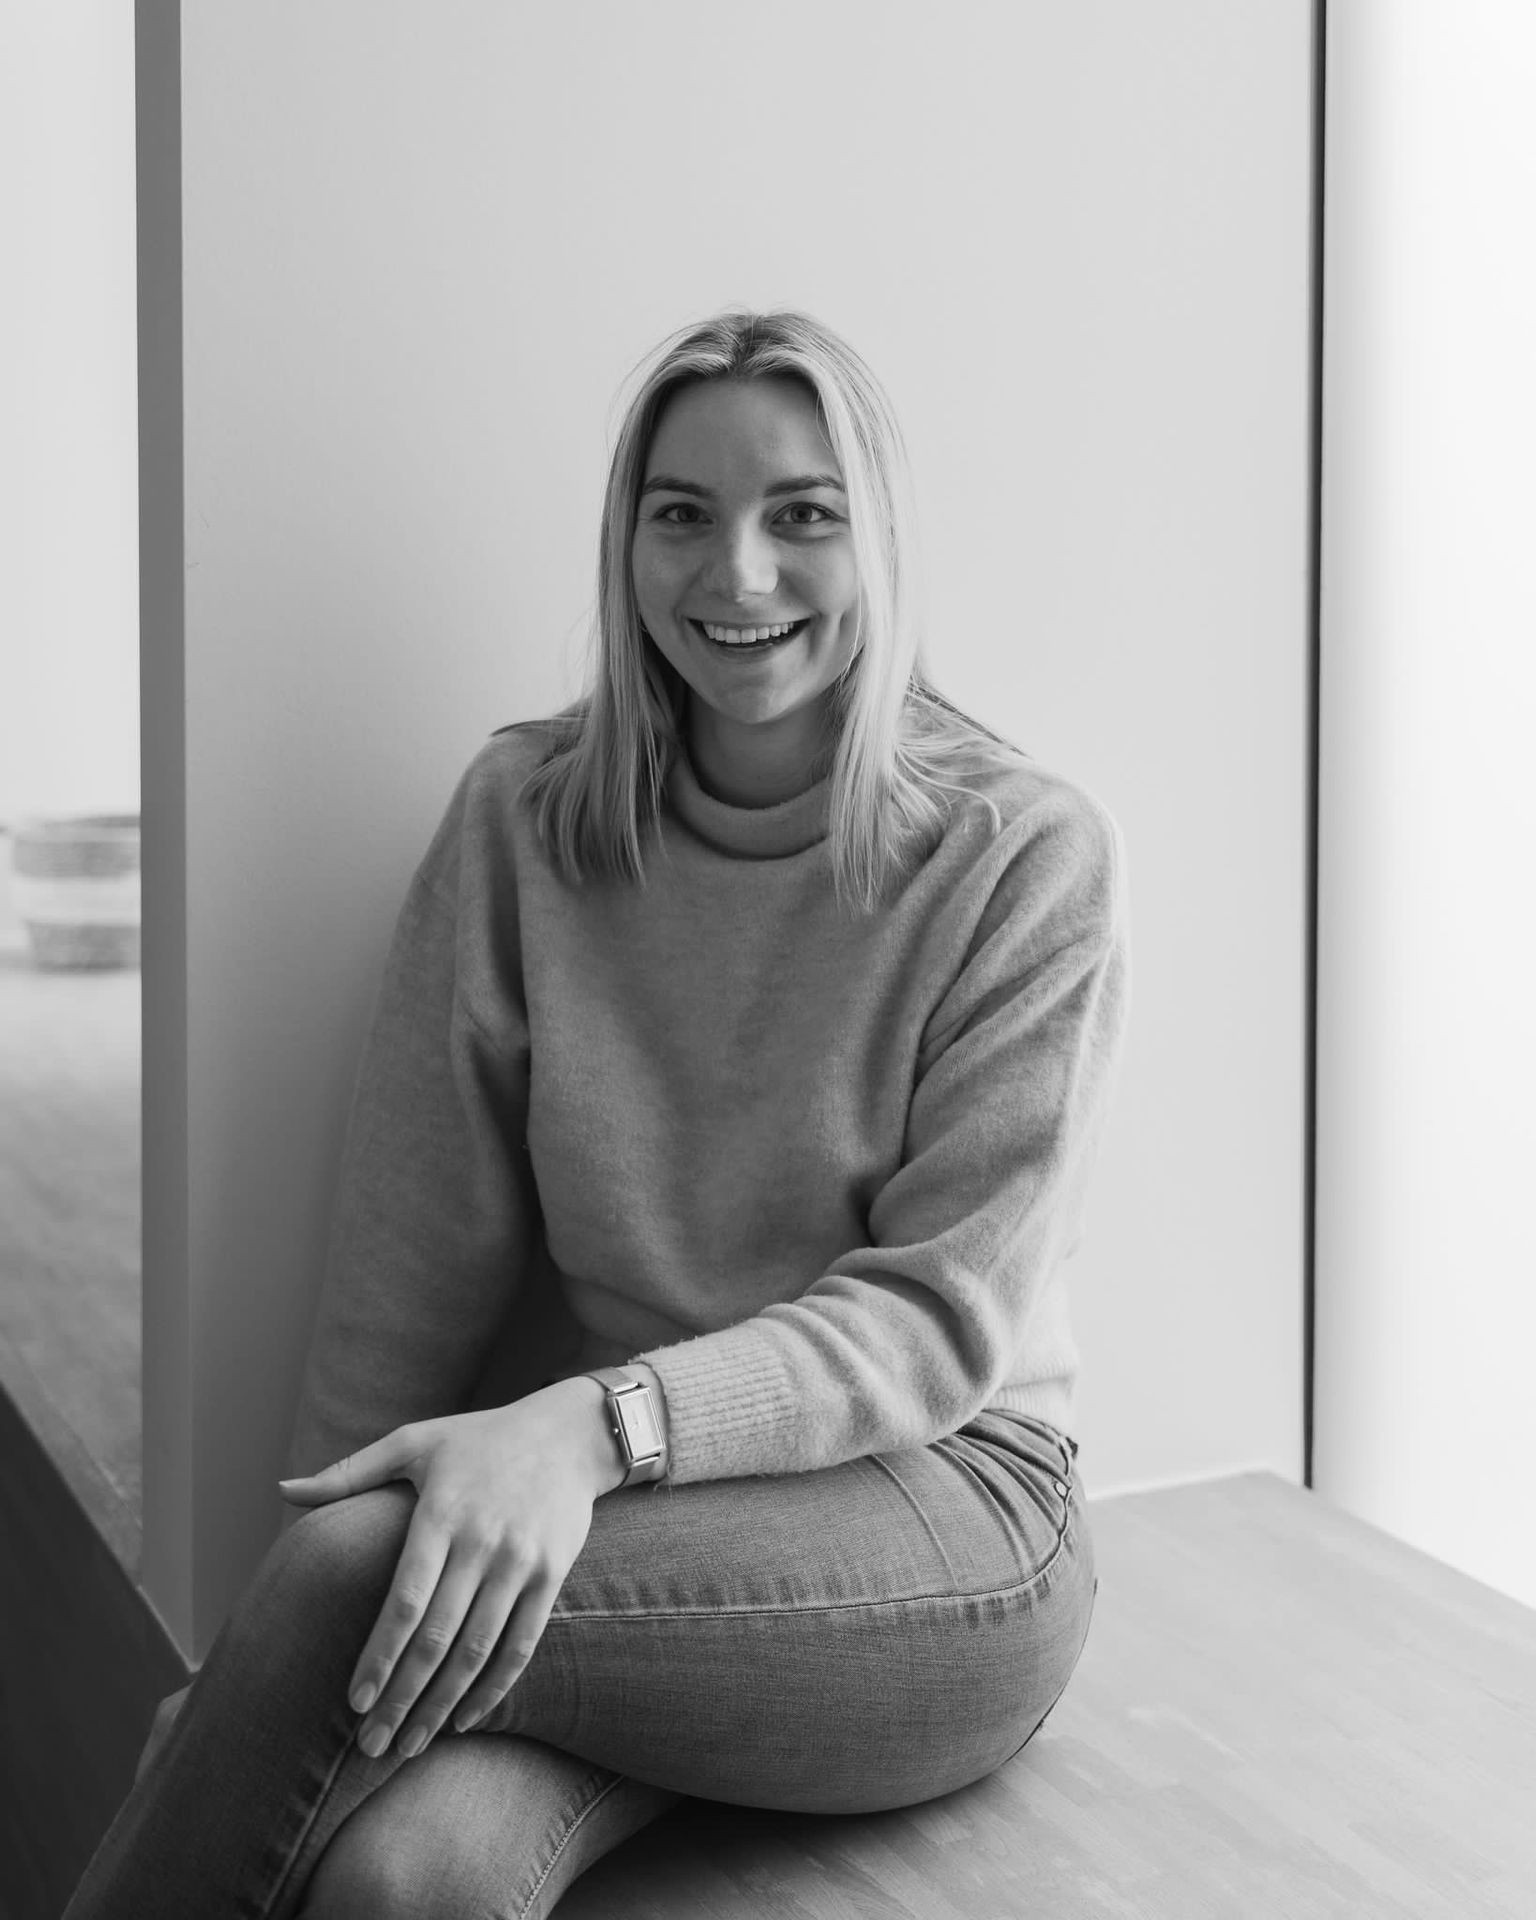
{"type": "Point", "coordinates": [593, 1450]}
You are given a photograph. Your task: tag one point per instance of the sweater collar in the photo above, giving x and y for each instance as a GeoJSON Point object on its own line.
{"type": "Point", "coordinates": [752, 833]}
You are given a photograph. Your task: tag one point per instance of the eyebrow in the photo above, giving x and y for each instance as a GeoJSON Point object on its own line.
{"type": "Point", "coordinates": [801, 483]}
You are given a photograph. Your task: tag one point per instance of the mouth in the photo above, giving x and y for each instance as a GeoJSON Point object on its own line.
{"type": "Point", "coordinates": [748, 640]}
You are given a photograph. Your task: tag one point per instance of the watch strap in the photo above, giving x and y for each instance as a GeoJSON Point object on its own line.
{"type": "Point", "coordinates": [619, 1386]}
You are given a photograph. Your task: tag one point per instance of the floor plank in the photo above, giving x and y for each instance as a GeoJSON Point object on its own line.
{"type": "Point", "coordinates": [70, 1215]}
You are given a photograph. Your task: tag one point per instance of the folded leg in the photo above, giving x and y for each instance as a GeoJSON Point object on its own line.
{"type": "Point", "coordinates": [863, 1637]}
{"type": "Point", "coordinates": [478, 1827]}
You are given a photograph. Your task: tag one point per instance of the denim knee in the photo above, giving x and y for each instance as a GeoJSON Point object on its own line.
{"type": "Point", "coordinates": [325, 1577]}
{"type": "Point", "coordinates": [391, 1876]}
{"type": "Point", "coordinates": [339, 1541]}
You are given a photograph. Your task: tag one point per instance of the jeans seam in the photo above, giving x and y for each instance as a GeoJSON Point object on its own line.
{"type": "Point", "coordinates": [285, 1872]}
{"type": "Point", "coordinates": [564, 1840]}
{"type": "Point", "coordinates": [1009, 1591]}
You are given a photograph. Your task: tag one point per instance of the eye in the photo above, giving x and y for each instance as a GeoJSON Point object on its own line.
{"type": "Point", "coordinates": [665, 514]}
{"type": "Point", "coordinates": [798, 507]}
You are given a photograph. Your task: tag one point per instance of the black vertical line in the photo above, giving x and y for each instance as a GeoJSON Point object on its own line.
{"type": "Point", "coordinates": [1314, 675]}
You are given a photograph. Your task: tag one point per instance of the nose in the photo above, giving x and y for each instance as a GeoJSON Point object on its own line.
{"type": "Point", "coordinates": [741, 565]}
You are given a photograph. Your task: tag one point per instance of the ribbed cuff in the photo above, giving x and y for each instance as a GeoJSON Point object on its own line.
{"type": "Point", "coordinates": [731, 1405]}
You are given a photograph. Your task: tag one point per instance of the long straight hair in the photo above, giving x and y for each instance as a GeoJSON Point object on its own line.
{"type": "Point", "coordinates": [899, 748]}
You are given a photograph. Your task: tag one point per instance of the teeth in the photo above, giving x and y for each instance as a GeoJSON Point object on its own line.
{"type": "Point", "coordinates": [745, 636]}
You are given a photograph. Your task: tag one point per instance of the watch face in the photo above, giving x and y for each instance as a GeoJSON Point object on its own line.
{"type": "Point", "coordinates": [637, 1417]}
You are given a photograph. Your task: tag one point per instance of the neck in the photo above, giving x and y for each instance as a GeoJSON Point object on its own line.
{"type": "Point", "coordinates": [757, 766]}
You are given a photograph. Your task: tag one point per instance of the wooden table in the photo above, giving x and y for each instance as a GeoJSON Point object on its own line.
{"type": "Point", "coordinates": [1280, 1711]}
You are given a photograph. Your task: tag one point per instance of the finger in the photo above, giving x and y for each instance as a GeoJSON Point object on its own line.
{"type": "Point", "coordinates": [424, 1653]}
{"type": "Point", "coordinates": [520, 1638]}
{"type": "Point", "coordinates": [471, 1653]}
{"type": "Point", "coordinates": [411, 1591]}
{"type": "Point", "coordinates": [370, 1466]}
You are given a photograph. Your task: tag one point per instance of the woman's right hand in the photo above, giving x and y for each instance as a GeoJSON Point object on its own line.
{"type": "Point", "coordinates": [504, 1502]}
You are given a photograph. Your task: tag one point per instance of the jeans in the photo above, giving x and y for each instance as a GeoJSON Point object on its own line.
{"type": "Point", "coordinates": [862, 1637]}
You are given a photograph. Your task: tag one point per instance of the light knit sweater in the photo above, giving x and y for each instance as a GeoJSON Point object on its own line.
{"type": "Point", "coordinates": [819, 1168]}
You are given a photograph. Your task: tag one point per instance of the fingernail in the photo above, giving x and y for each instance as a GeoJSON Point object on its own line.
{"type": "Point", "coordinates": [364, 1696]}
{"type": "Point", "coordinates": [412, 1743]}
{"type": "Point", "coordinates": [373, 1741]}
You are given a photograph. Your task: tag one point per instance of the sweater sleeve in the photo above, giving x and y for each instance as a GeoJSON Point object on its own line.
{"type": "Point", "coordinates": [905, 1339]}
{"type": "Point", "coordinates": [436, 1213]}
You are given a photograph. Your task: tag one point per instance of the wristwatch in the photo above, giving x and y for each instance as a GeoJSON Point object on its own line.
{"type": "Point", "coordinates": [635, 1423]}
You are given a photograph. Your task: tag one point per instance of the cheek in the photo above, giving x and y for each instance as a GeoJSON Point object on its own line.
{"type": "Point", "coordinates": [833, 578]}
{"type": "Point", "coordinates": [656, 573]}
{"type": "Point", "coordinates": [846, 594]}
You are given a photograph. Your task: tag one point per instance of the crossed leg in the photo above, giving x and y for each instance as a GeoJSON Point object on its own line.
{"type": "Point", "coordinates": [865, 1636]}
{"type": "Point", "coordinates": [479, 1827]}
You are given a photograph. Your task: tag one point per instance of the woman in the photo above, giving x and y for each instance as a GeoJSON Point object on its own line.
{"type": "Point", "coordinates": [736, 1070]}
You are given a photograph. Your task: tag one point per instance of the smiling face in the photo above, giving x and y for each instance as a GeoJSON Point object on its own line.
{"type": "Point", "coordinates": [744, 574]}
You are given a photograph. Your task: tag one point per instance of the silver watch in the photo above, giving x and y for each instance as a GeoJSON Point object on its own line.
{"type": "Point", "coordinates": [636, 1425]}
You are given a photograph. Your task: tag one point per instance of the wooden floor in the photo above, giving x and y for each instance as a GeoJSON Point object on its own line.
{"type": "Point", "coordinates": [1280, 1712]}
{"type": "Point", "coordinates": [70, 1225]}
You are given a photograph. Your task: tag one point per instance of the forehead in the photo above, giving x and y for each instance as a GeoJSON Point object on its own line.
{"type": "Point", "coordinates": [740, 431]}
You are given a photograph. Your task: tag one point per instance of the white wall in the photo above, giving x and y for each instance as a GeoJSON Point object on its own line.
{"type": "Point", "coordinates": [1426, 1422]}
{"type": "Point", "coordinates": [69, 657]}
{"type": "Point", "coordinates": [422, 245]}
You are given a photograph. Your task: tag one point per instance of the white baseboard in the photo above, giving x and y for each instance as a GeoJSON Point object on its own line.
{"type": "Point", "coordinates": [1115, 1488]}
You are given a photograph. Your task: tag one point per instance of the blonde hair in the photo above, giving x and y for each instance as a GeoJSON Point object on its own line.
{"type": "Point", "coordinates": [899, 749]}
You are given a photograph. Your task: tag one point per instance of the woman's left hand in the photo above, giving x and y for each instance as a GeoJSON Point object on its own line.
{"type": "Point", "coordinates": [504, 1504]}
